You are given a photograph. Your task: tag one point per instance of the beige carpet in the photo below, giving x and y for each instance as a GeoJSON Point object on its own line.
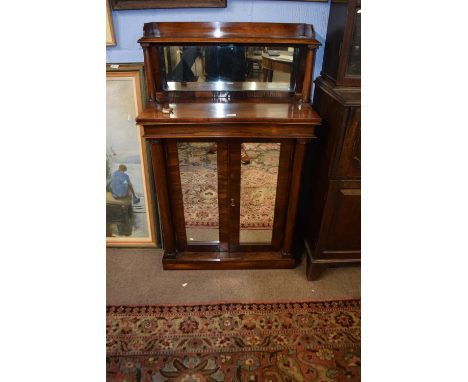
{"type": "Point", "coordinates": [135, 276]}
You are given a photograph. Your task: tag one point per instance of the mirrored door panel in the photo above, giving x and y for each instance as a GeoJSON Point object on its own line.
{"type": "Point", "coordinates": [258, 185]}
{"type": "Point", "coordinates": [199, 185]}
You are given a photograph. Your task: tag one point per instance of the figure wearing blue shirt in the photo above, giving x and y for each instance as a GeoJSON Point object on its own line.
{"type": "Point", "coordinates": [120, 185]}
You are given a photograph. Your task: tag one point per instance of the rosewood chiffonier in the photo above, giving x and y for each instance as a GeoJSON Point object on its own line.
{"type": "Point", "coordinates": [228, 123]}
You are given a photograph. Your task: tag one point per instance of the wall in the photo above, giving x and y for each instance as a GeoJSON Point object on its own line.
{"type": "Point", "coordinates": [128, 25]}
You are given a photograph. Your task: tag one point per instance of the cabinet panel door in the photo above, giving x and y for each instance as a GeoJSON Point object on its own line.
{"type": "Point", "coordinates": [349, 163]}
{"type": "Point", "coordinates": [197, 173]}
{"type": "Point", "coordinates": [222, 202]}
{"type": "Point", "coordinates": [259, 172]}
{"type": "Point", "coordinates": [340, 231]}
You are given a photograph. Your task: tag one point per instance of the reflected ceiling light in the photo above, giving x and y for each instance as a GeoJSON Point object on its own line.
{"type": "Point", "coordinates": [219, 110]}
{"type": "Point", "coordinates": [219, 85]}
{"type": "Point", "coordinates": [217, 32]}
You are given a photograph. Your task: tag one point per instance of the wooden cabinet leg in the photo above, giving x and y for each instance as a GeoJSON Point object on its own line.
{"type": "Point", "coordinates": [314, 271]}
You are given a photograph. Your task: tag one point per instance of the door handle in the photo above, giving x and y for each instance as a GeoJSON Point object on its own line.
{"type": "Point", "coordinates": [233, 203]}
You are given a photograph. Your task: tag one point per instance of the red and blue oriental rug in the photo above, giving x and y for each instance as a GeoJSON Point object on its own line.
{"type": "Point", "coordinates": [271, 342]}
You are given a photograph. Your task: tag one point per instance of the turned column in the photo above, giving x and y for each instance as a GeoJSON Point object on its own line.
{"type": "Point", "coordinates": [309, 73]}
{"type": "Point", "coordinates": [154, 84]}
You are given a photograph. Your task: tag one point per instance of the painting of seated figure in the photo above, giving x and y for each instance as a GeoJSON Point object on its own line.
{"type": "Point", "coordinates": [129, 206]}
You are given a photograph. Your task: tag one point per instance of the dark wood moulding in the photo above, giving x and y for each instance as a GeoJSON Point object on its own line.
{"type": "Point", "coordinates": [229, 32]}
{"type": "Point", "coordinates": [150, 4]}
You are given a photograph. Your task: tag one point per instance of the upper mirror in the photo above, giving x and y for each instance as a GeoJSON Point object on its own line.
{"type": "Point", "coordinates": [229, 68]}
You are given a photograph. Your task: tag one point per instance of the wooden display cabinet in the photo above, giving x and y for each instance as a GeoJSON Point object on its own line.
{"type": "Point", "coordinates": [333, 233]}
{"type": "Point", "coordinates": [227, 148]}
{"type": "Point", "coordinates": [342, 56]}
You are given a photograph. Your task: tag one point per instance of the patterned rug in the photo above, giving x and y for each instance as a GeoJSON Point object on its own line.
{"type": "Point", "coordinates": [198, 173]}
{"type": "Point", "coordinates": [309, 341]}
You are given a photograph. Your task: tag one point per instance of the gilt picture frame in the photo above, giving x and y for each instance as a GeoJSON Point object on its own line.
{"type": "Point", "coordinates": [149, 4]}
{"type": "Point", "coordinates": [110, 33]}
{"type": "Point", "coordinates": [131, 216]}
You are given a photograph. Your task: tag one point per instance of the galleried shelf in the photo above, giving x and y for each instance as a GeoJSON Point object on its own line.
{"type": "Point", "coordinates": [227, 125]}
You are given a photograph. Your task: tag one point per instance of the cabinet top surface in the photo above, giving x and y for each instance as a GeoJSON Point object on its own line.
{"type": "Point", "coordinates": [229, 32]}
{"type": "Point", "coordinates": [196, 111]}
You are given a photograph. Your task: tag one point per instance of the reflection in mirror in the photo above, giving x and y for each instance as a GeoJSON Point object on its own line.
{"type": "Point", "coordinates": [199, 180]}
{"type": "Point", "coordinates": [228, 67]}
{"type": "Point", "coordinates": [259, 177]}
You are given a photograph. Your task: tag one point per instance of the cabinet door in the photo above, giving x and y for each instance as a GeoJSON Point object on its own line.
{"type": "Point", "coordinates": [349, 163]}
{"type": "Point", "coordinates": [340, 231]}
{"type": "Point", "coordinates": [259, 176]}
{"type": "Point", "coordinates": [349, 69]}
{"type": "Point", "coordinates": [229, 195]}
{"type": "Point", "coordinates": [198, 187]}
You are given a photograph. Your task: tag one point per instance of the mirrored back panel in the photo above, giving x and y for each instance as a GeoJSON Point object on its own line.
{"type": "Point", "coordinates": [229, 68]}
{"type": "Point", "coordinates": [199, 183]}
{"type": "Point", "coordinates": [259, 182]}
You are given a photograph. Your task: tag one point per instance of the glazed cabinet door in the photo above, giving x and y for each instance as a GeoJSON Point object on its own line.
{"type": "Point", "coordinates": [197, 173]}
{"type": "Point", "coordinates": [228, 195]}
{"type": "Point", "coordinates": [340, 231]}
{"type": "Point", "coordinates": [259, 177]}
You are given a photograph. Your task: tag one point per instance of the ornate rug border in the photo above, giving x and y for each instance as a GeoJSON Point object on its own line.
{"type": "Point", "coordinates": [225, 306]}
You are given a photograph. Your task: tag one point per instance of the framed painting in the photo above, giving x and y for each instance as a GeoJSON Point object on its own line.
{"type": "Point", "coordinates": [110, 34]}
{"type": "Point", "coordinates": [130, 207]}
{"type": "Point", "coordinates": [145, 4]}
